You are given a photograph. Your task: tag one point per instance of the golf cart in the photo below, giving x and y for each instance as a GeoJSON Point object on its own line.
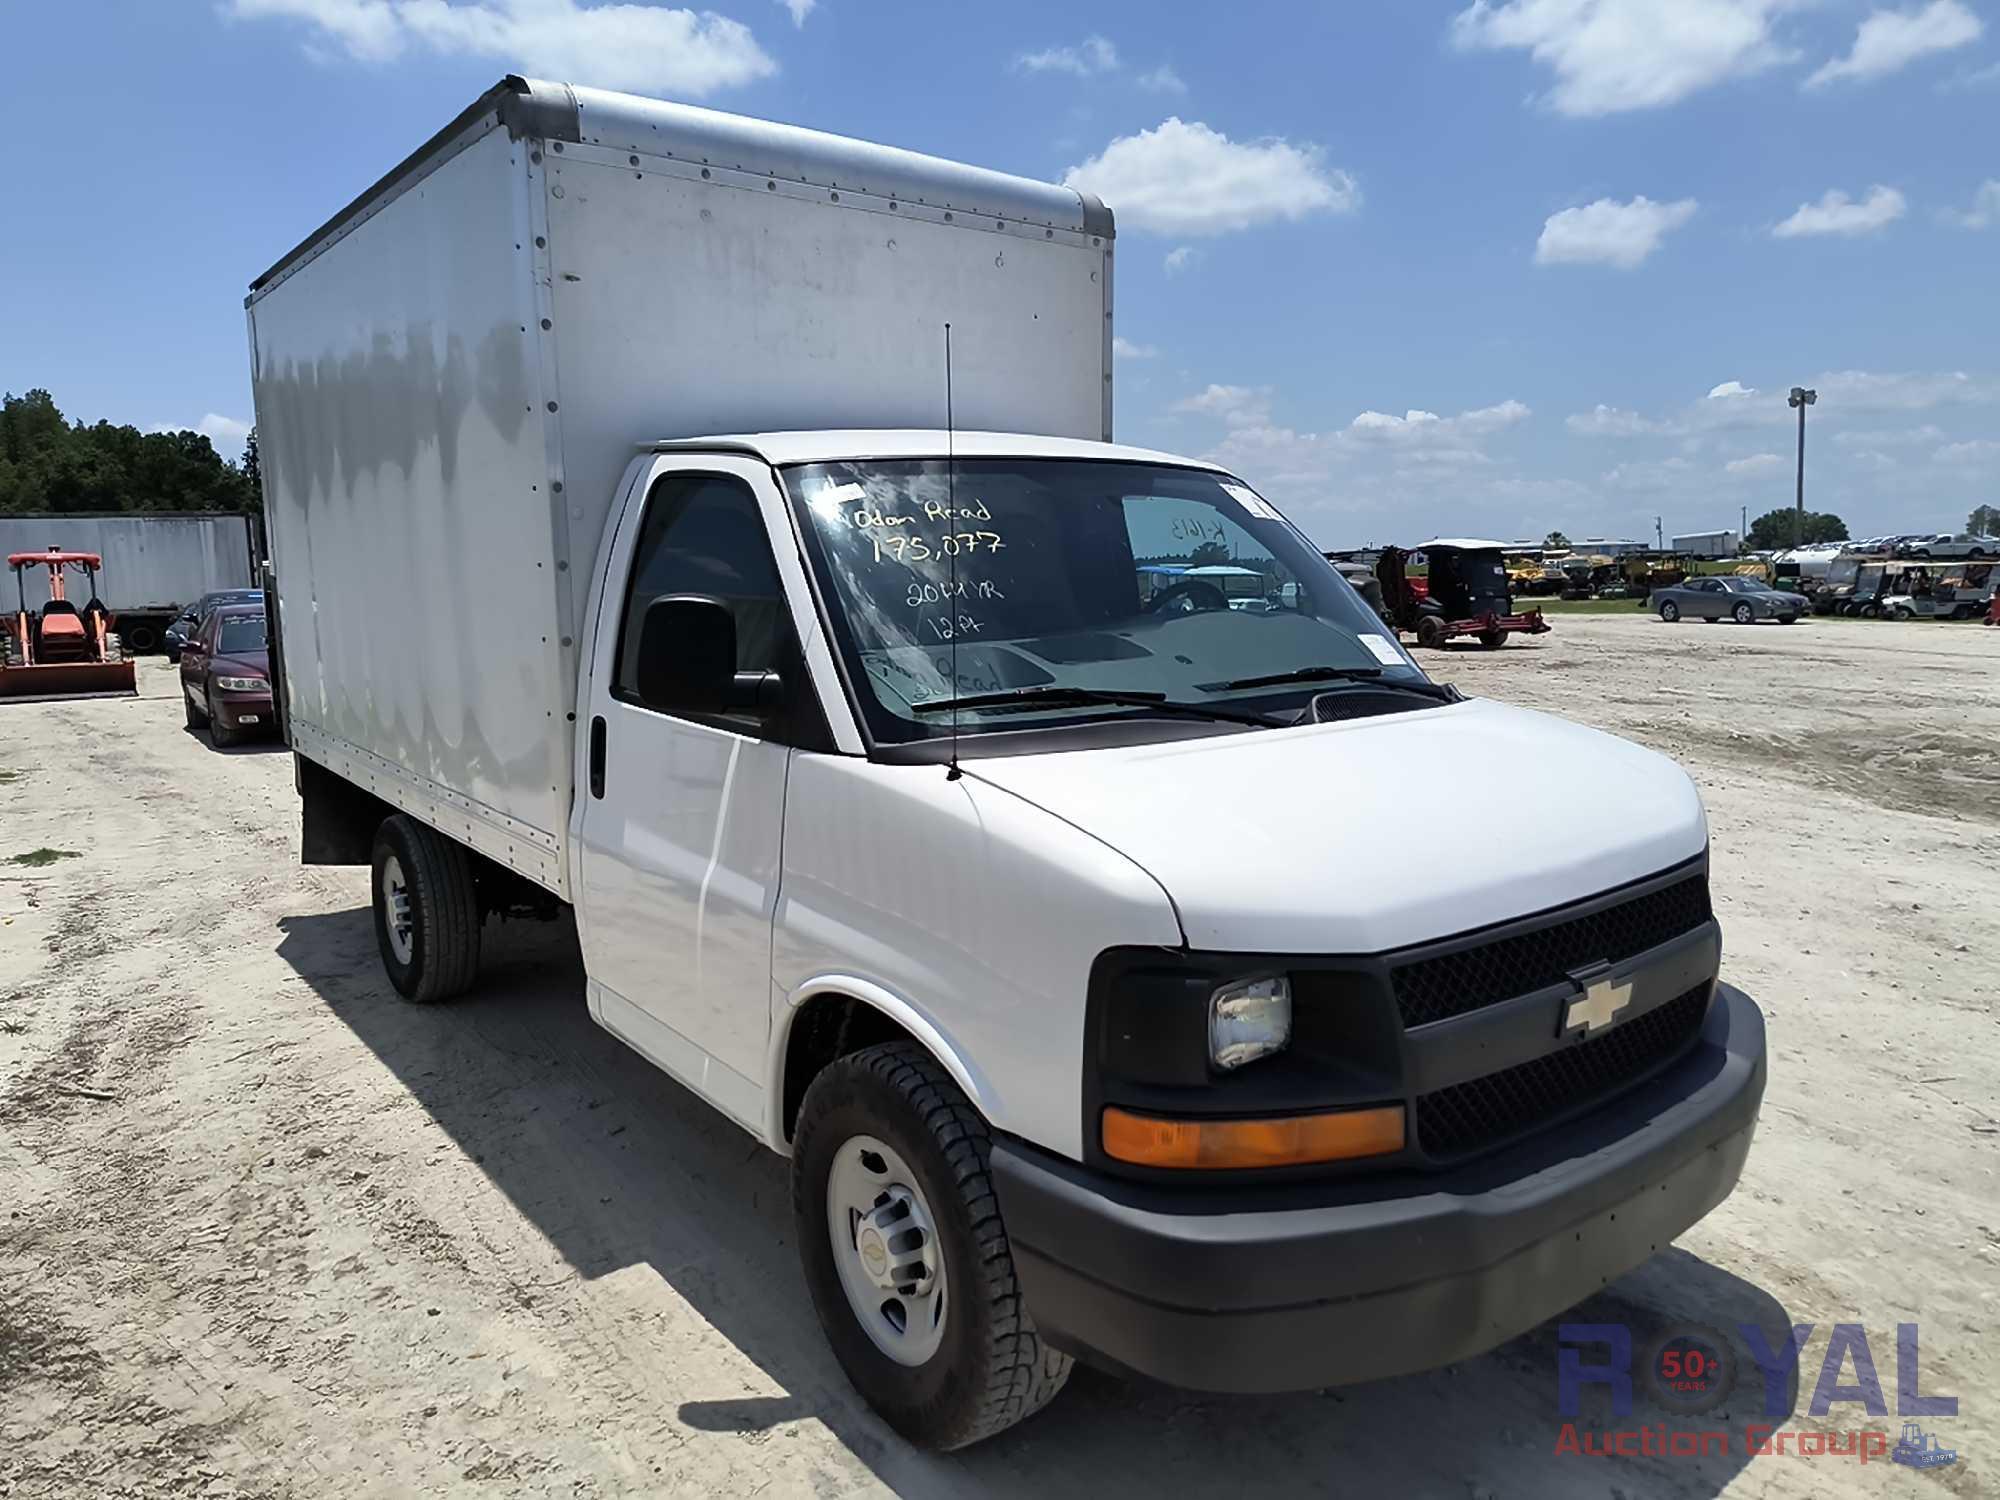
{"type": "Point", "coordinates": [1465, 594]}
{"type": "Point", "coordinates": [56, 650]}
{"type": "Point", "coordinates": [1958, 593]}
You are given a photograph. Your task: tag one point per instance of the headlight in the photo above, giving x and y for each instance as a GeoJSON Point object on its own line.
{"type": "Point", "coordinates": [1249, 1020]}
{"type": "Point", "coordinates": [243, 684]}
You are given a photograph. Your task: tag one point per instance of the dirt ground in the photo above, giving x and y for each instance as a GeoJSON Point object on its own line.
{"type": "Point", "coordinates": [267, 1230]}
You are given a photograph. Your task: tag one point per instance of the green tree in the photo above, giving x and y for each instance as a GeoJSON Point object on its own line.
{"type": "Point", "coordinates": [1775, 528]}
{"type": "Point", "coordinates": [1555, 541]}
{"type": "Point", "coordinates": [1208, 554]}
{"type": "Point", "coordinates": [49, 464]}
{"type": "Point", "coordinates": [252, 467]}
{"type": "Point", "coordinates": [1984, 521]}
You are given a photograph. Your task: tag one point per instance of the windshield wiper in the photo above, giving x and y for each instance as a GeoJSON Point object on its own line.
{"type": "Point", "coordinates": [1443, 692]}
{"type": "Point", "coordinates": [1057, 696]}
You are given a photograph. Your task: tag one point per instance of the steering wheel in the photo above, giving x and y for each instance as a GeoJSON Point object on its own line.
{"type": "Point", "coordinates": [1192, 597]}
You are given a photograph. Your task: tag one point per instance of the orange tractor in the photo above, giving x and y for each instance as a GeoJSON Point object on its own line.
{"type": "Point", "coordinates": [58, 650]}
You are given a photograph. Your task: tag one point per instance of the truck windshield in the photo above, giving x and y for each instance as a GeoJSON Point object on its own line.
{"type": "Point", "coordinates": [1078, 579]}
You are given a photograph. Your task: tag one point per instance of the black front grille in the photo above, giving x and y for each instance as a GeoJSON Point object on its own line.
{"type": "Point", "coordinates": [1433, 989]}
{"type": "Point", "coordinates": [1489, 1111]}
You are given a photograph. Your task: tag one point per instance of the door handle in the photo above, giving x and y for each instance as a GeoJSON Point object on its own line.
{"type": "Point", "coordinates": [597, 756]}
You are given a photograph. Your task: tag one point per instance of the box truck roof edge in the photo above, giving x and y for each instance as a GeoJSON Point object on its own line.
{"type": "Point", "coordinates": [532, 108]}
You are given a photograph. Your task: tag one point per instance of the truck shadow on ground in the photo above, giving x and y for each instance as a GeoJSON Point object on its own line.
{"type": "Point", "coordinates": [618, 1166]}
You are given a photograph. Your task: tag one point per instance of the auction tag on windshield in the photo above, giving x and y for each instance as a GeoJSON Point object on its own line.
{"type": "Point", "coordinates": [1251, 501]}
{"type": "Point", "coordinates": [1383, 651]}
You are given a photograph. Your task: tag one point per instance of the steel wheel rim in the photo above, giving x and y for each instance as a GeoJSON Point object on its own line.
{"type": "Point", "coordinates": [396, 911]}
{"type": "Point", "coordinates": [886, 1249]}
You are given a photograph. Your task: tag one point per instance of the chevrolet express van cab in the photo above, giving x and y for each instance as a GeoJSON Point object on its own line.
{"type": "Point", "coordinates": [1128, 976]}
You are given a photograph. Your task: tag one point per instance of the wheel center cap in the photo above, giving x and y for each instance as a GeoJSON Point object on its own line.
{"type": "Point", "coordinates": [874, 1254]}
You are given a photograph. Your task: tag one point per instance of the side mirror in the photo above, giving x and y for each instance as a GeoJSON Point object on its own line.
{"type": "Point", "coordinates": [687, 661]}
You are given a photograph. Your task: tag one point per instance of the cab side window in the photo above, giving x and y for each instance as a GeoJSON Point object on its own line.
{"type": "Point", "coordinates": [704, 534]}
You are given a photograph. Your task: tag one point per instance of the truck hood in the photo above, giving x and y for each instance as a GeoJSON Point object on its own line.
{"type": "Point", "coordinates": [1373, 834]}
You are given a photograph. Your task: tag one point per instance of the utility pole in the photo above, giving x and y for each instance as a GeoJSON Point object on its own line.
{"type": "Point", "coordinates": [1659, 536]}
{"type": "Point", "coordinates": [1801, 398]}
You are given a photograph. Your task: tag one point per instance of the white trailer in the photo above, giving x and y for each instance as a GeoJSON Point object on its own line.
{"type": "Point", "coordinates": [1709, 544]}
{"type": "Point", "coordinates": [155, 563]}
{"type": "Point", "coordinates": [1082, 941]}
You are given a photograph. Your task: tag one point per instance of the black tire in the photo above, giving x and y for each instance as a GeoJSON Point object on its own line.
{"type": "Point", "coordinates": [1669, 611]}
{"type": "Point", "coordinates": [1869, 611]}
{"type": "Point", "coordinates": [219, 734]}
{"type": "Point", "coordinates": [1744, 614]}
{"type": "Point", "coordinates": [443, 911]}
{"type": "Point", "coordinates": [142, 636]}
{"type": "Point", "coordinates": [1431, 633]}
{"type": "Point", "coordinates": [194, 717]}
{"type": "Point", "coordinates": [1903, 612]}
{"type": "Point", "coordinates": [992, 1369]}
{"type": "Point", "coordinates": [1786, 619]}
{"type": "Point", "coordinates": [1492, 640]}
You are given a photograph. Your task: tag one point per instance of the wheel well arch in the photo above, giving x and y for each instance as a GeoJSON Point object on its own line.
{"type": "Point", "coordinates": [830, 1019]}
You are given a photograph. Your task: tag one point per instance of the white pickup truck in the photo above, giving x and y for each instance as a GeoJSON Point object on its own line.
{"type": "Point", "coordinates": [1130, 974]}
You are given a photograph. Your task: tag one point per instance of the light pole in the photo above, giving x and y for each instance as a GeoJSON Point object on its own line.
{"type": "Point", "coordinates": [1801, 398]}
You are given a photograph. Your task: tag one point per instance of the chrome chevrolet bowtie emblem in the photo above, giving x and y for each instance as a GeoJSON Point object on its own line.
{"type": "Point", "coordinates": [1599, 1006]}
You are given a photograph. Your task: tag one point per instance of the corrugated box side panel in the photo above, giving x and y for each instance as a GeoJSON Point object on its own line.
{"type": "Point", "coordinates": [689, 300]}
{"type": "Point", "coordinates": [151, 562]}
{"type": "Point", "coordinates": [406, 472]}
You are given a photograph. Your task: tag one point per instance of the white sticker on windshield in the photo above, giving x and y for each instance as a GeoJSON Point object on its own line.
{"type": "Point", "coordinates": [1383, 651]}
{"type": "Point", "coordinates": [1251, 501]}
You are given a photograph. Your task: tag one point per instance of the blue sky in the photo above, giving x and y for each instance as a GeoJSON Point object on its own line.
{"type": "Point", "coordinates": [1411, 268]}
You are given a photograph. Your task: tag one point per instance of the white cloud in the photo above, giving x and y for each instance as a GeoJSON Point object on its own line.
{"type": "Point", "coordinates": [1836, 213]}
{"type": "Point", "coordinates": [1180, 258]}
{"type": "Point", "coordinates": [1609, 421]}
{"type": "Point", "coordinates": [1238, 405]}
{"type": "Point", "coordinates": [225, 434]}
{"type": "Point", "coordinates": [1882, 437]}
{"type": "Point", "coordinates": [1889, 40]}
{"type": "Point", "coordinates": [1609, 233]}
{"type": "Point", "coordinates": [1865, 391]}
{"type": "Point", "coordinates": [1731, 390]}
{"type": "Point", "coordinates": [1124, 348]}
{"type": "Point", "coordinates": [1610, 56]}
{"type": "Point", "coordinates": [800, 9]}
{"type": "Point", "coordinates": [1978, 451]}
{"type": "Point", "coordinates": [1985, 210]}
{"type": "Point", "coordinates": [1091, 55]}
{"type": "Point", "coordinates": [1978, 78]}
{"type": "Point", "coordinates": [1162, 80]}
{"type": "Point", "coordinates": [1755, 464]}
{"type": "Point", "coordinates": [626, 46]}
{"type": "Point", "coordinates": [1642, 474]}
{"type": "Point", "coordinates": [1417, 430]}
{"type": "Point", "coordinates": [1184, 178]}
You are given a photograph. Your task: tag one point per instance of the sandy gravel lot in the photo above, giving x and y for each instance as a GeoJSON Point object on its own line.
{"type": "Point", "coordinates": [266, 1230]}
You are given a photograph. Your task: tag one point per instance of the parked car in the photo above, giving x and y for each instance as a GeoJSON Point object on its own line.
{"type": "Point", "coordinates": [189, 620]}
{"type": "Point", "coordinates": [1744, 600]}
{"type": "Point", "coordinates": [1944, 544]}
{"type": "Point", "coordinates": [226, 674]}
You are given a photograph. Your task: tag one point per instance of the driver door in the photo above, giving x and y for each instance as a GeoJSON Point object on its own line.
{"type": "Point", "coordinates": [1711, 599]}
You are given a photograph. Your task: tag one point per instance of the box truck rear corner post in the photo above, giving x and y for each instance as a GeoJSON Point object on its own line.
{"type": "Point", "coordinates": [1064, 903]}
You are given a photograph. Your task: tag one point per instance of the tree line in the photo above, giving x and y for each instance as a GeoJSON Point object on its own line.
{"type": "Point", "coordinates": [48, 463]}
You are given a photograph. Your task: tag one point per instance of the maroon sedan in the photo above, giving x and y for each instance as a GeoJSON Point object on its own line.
{"type": "Point", "coordinates": [226, 674]}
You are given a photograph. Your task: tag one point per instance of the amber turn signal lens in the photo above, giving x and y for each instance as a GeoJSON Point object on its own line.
{"type": "Point", "coordinates": [1290, 1141]}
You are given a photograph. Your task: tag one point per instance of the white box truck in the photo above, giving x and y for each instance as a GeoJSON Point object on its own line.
{"type": "Point", "coordinates": [1117, 940]}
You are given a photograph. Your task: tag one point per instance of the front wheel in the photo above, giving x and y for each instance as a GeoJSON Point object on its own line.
{"type": "Point", "coordinates": [1431, 633]}
{"type": "Point", "coordinates": [1492, 640]}
{"type": "Point", "coordinates": [426, 911]}
{"type": "Point", "coordinates": [1904, 612]}
{"type": "Point", "coordinates": [1786, 619]}
{"type": "Point", "coordinates": [219, 734]}
{"type": "Point", "coordinates": [1744, 614]}
{"type": "Point", "coordinates": [905, 1254]}
{"type": "Point", "coordinates": [1670, 611]}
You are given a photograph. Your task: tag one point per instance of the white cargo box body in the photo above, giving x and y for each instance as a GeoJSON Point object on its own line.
{"type": "Point", "coordinates": [453, 374]}
{"type": "Point", "coordinates": [153, 561]}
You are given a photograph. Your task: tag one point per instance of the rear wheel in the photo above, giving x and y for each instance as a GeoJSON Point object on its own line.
{"type": "Point", "coordinates": [1669, 611]}
{"type": "Point", "coordinates": [905, 1254]}
{"type": "Point", "coordinates": [426, 911]}
{"type": "Point", "coordinates": [142, 636]}
{"type": "Point", "coordinates": [1744, 614]}
{"type": "Point", "coordinates": [1431, 633]}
